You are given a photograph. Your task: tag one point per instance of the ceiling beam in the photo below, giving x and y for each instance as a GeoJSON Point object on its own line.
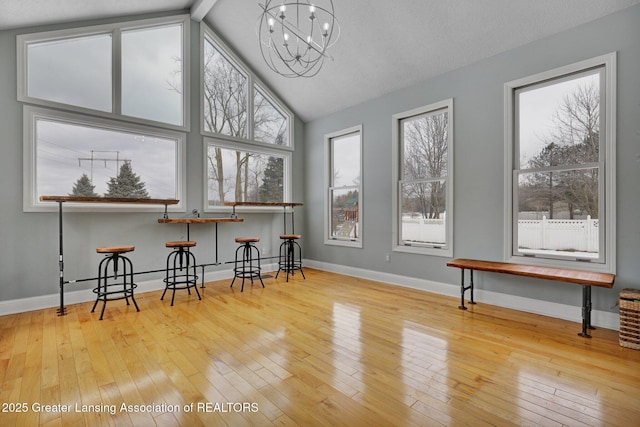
{"type": "Point", "coordinates": [201, 8]}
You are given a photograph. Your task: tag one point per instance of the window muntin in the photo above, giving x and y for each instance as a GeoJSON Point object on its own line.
{"type": "Point", "coordinates": [135, 70]}
{"type": "Point", "coordinates": [561, 145]}
{"type": "Point", "coordinates": [152, 83]}
{"type": "Point", "coordinates": [245, 174]}
{"type": "Point", "coordinates": [69, 154]}
{"type": "Point", "coordinates": [344, 206]}
{"type": "Point", "coordinates": [423, 196]}
{"type": "Point", "coordinates": [74, 71]}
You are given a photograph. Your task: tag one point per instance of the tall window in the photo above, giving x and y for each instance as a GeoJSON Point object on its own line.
{"type": "Point", "coordinates": [561, 164]}
{"type": "Point", "coordinates": [134, 70]}
{"type": "Point", "coordinates": [343, 224]}
{"type": "Point", "coordinates": [249, 143]}
{"type": "Point", "coordinates": [423, 170]}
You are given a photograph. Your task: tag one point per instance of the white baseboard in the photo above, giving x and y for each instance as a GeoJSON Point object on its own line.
{"type": "Point", "coordinates": [603, 319]}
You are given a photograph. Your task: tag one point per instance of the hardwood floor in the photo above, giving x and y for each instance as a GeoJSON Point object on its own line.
{"type": "Point", "coordinates": [329, 350]}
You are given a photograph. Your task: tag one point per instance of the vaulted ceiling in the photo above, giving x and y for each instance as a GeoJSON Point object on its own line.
{"type": "Point", "coordinates": [384, 45]}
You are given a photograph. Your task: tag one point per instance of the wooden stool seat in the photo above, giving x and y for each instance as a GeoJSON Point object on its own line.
{"type": "Point", "coordinates": [290, 236]}
{"type": "Point", "coordinates": [181, 244]}
{"type": "Point", "coordinates": [114, 249]}
{"type": "Point", "coordinates": [247, 239]}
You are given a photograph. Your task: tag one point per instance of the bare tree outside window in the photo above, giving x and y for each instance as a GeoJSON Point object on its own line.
{"type": "Point", "coordinates": [425, 157]}
{"type": "Point", "coordinates": [574, 140]}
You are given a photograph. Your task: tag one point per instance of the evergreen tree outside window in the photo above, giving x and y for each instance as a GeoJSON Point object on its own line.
{"type": "Point", "coordinates": [272, 187]}
{"type": "Point", "coordinates": [83, 187]}
{"type": "Point", "coordinates": [127, 184]}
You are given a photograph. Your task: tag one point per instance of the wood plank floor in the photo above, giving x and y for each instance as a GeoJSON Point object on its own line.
{"type": "Point", "coordinates": [330, 350]}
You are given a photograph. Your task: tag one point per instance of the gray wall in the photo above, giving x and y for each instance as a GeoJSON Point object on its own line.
{"type": "Point", "coordinates": [29, 241]}
{"type": "Point", "coordinates": [479, 163]}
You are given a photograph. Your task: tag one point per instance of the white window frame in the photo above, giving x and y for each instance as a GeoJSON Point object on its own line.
{"type": "Point", "coordinates": [30, 201]}
{"type": "Point", "coordinates": [252, 82]}
{"type": "Point", "coordinates": [445, 250]}
{"type": "Point", "coordinates": [115, 30]}
{"type": "Point", "coordinates": [232, 145]}
{"type": "Point", "coordinates": [607, 192]}
{"type": "Point", "coordinates": [357, 242]}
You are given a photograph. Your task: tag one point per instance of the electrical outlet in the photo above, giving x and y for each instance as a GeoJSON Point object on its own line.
{"type": "Point", "coordinates": [387, 257]}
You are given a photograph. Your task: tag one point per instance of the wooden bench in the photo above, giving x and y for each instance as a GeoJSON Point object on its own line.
{"type": "Point", "coordinates": [586, 279]}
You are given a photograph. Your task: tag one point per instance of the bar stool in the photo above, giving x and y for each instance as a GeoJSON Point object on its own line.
{"type": "Point", "coordinates": [290, 256]}
{"type": "Point", "coordinates": [114, 290]}
{"type": "Point", "coordinates": [181, 269]}
{"type": "Point", "coordinates": [250, 261]}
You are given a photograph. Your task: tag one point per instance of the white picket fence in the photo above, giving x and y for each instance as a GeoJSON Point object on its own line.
{"type": "Point", "coordinates": [580, 235]}
{"type": "Point", "coordinates": [423, 230]}
{"type": "Point", "coordinates": [559, 234]}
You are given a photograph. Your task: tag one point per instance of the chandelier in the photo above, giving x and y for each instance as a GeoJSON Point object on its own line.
{"type": "Point", "coordinates": [295, 35]}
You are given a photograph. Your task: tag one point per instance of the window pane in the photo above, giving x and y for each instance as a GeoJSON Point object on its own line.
{"type": "Point", "coordinates": [270, 125]}
{"type": "Point", "coordinates": [425, 146]}
{"type": "Point", "coordinates": [558, 212]}
{"type": "Point", "coordinates": [559, 123]}
{"type": "Point", "coordinates": [345, 152]}
{"type": "Point", "coordinates": [225, 95]}
{"type": "Point", "coordinates": [241, 176]}
{"type": "Point", "coordinates": [345, 222]}
{"type": "Point", "coordinates": [152, 81]}
{"type": "Point", "coordinates": [423, 212]}
{"type": "Point", "coordinates": [74, 71]}
{"type": "Point", "coordinates": [81, 160]}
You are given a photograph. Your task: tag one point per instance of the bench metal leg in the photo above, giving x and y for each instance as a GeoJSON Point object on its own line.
{"type": "Point", "coordinates": [463, 289]}
{"type": "Point", "coordinates": [586, 311]}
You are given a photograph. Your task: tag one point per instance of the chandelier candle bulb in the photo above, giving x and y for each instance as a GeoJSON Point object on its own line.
{"type": "Point", "coordinates": [295, 36]}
